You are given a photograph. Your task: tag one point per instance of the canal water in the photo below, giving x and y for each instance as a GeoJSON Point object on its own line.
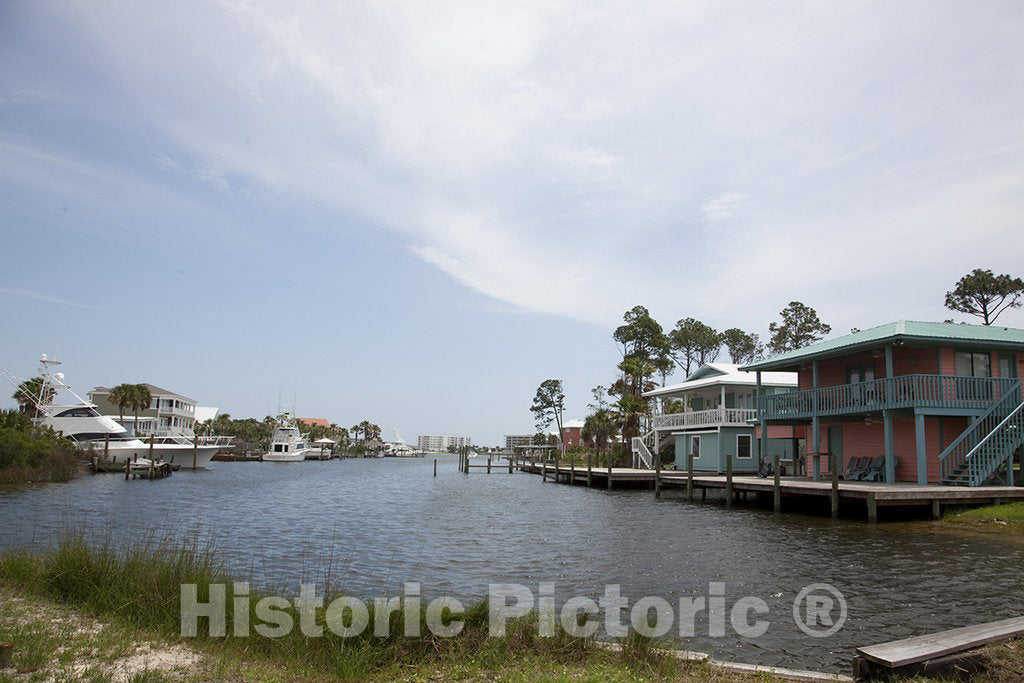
{"type": "Point", "coordinates": [374, 524]}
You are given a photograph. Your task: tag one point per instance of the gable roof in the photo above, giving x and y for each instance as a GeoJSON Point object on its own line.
{"type": "Point", "coordinates": [314, 421]}
{"type": "Point", "coordinates": [713, 374]}
{"type": "Point", "coordinates": [954, 334]}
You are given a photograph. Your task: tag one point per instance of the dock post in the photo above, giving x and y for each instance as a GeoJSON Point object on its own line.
{"type": "Point", "coordinates": [572, 469]}
{"type": "Point", "coordinates": [728, 480]}
{"type": "Point", "coordinates": [544, 468]}
{"type": "Point", "coordinates": [689, 476]}
{"type": "Point", "coordinates": [511, 464]}
{"type": "Point", "coordinates": [777, 486]}
{"type": "Point", "coordinates": [195, 452]}
{"type": "Point", "coordinates": [657, 475]}
{"type": "Point", "coordinates": [590, 468]}
{"type": "Point", "coordinates": [106, 446]}
{"type": "Point", "coordinates": [872, 508]}
{"type": "Point", "coordinates": [936, 509]}
{"type": "Point", "coordinates": [435, 467]}
{"type": "Point", "coordinates": [609, 469]}
{"type": "Point", "coordinates": [152, 470]}
{"type": "Point", "coordinates": [127, 468]}
{"type": "Point", "coordinates": [151, 438]}
{"type": "Point", "coordinates": [833, 462]}
{"type": "Point", "coordinates": [488, 463]}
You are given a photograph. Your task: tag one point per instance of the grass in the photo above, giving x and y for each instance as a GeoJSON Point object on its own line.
{"type": "Point", "coordinates": [122, 600]}
{"type": "Point", "coordinates": [1001, 516]}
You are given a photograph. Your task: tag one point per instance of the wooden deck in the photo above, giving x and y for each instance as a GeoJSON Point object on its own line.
{"type": "Point", "coordinates": [870, 494]}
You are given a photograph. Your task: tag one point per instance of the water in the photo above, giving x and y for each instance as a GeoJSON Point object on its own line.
{"type": "Point", "coordinates": [373, 524]}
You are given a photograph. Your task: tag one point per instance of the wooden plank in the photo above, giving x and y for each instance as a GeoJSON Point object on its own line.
{"type": "Point", "coordinates": [921, 648]}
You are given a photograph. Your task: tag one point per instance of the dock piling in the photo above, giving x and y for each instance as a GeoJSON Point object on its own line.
{"type": "Point", "coordinates": [590, 473]}
{"type": "Point", "coordinates": [833, 465]}
{"type": "Point", "coordinates": [106, 447]}
{"type": "Point", "coordinates": [689, 476]}
{"type": "Point", "coordinates": [195, 452]}
{"type": "Point", "coordinates": [488, 463]}
{"type": "Point", "coordinates": [936, 509]}
{"type": "Point", "coordinates": [777, 486]}
{"type": "Point", "coordinates": [435, 467]}
{"type": "Point", "coordinates": [728, 480]}
{"type": "Point", "coordinates": [657, 475]}
{"type": "Point", "coordinates": [872, 508]}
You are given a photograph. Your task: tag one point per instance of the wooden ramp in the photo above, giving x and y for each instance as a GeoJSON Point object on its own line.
{"type": "Point", "coordinates": [932, 653]}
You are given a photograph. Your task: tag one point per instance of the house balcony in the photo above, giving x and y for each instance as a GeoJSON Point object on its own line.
{"type": "Point", "coordinates": [715, 417]}
{"type": "Point", "coordinates": [962, 395]}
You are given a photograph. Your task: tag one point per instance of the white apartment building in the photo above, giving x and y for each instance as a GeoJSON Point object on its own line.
{"type": "Point", "coordinates": [439, 443]}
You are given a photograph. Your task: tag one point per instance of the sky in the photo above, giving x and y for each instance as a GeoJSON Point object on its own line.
{"type": "Point", "coordinates": [414, 213]}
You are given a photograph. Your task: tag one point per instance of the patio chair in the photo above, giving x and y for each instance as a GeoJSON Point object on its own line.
{"type": "Point", "coordinates": [854, 467]}
{"type": "Point", "coordinates": [874, 467]}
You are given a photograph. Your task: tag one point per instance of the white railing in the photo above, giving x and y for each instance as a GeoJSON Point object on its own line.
{"type": "Point", "coordinates": [705, 418]}
{"type": "Point", "coordinates": [641, 450]}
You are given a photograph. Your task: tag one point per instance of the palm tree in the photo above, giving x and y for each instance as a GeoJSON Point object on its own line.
{"type": "Point", "coordinates": [599, 427]}
{"type": "Point", "coordinates": [140, 400]}
{"type": "Point", "coordinates": [122, 397]}
{"type": "Point", "coordinates": [356, 430]}
{"type": "Point", "coordinates": [30, 391]}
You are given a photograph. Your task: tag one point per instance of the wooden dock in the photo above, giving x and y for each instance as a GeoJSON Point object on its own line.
{"type": "Point", "coordinates": [935, 653]}
{"type": "Point", "coordinates": [871, 495]}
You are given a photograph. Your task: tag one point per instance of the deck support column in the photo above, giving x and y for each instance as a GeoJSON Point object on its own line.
{"type": "Point", "coordinates": [872, 508]}
{"type": "Point", "coordinates": [813, 452]}
{"type": "Point", "coordinates": [760, 414]}
{"type": "Point", "coordinates": [657, 467]}
{"type": "Point", "coordinates": [890, 455]}
{"type": "Point", "coordinates": [936, 509]}
{"type": "Point", "coordinates": [922, 452]}
{"type": "Point", "coordinates": [815, 425]}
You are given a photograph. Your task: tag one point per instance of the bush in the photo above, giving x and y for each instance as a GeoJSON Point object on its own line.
{"type": "Point", "coordinates": [30, 454]}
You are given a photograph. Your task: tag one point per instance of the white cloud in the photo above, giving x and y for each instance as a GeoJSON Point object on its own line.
{"type": "Point", "coordinates": [43, 296]}
{"type": "Point", "coordinates": [572, 158]}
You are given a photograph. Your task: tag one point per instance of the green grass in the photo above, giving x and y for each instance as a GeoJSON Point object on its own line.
{"type": "Point", "coordinates": [999, 516]}
{"type": "Point", "coordinates": [137, 590]}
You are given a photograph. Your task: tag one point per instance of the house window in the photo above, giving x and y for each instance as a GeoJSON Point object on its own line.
{"type": "Point", "coordinates": [743, 446]}
{"type": "Point", "coordinates": [1007, 367]}
{"type": "Point", "coordinates": [970, 364]}
{"type": "Point", "coordinates": [695, 446]}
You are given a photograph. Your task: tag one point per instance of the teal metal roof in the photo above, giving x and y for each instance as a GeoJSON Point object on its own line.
{"type": "Point", "coordinates": [934, 333]}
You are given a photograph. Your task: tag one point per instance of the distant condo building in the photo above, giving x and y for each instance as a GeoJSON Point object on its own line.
{"type": "Point", "coordinates": [514, 440]}
{"type": "Point", "coordinates": [441, 442]}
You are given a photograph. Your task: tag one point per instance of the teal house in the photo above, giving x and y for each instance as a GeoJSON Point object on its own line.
{"type": "Point", "coordinates": [712, 414]}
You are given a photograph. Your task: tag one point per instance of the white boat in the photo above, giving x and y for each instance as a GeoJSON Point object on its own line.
{"type": "Point", "coordinates": [79, 421]}
{"type": "Point", "coordinates": [287, 444]}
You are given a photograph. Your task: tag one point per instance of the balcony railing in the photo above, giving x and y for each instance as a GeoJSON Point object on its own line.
{"type": "Point", "coordinates": [903, 391]}
{"type": "Point", "coordinates": [715, 417]}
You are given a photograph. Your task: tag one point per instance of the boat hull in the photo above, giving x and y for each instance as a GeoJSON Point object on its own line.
{"type": "Point", "coordinates": [297, 456]}
{"type": "Point", "coordinates": [175, 454]}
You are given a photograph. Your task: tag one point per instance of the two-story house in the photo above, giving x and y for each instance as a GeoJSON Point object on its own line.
{"type": "Point", "coordinates": [712, 415]}
{"type": "Point", "coordinates": [168, 415]}
{"type": "Point", "coordinates": [942, 402]}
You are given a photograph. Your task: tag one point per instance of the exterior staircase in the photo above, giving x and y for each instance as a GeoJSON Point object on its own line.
{"type": "Point", "coordinates": [976, 456]}
{"type": "Point", "coordinates": [642, 452]}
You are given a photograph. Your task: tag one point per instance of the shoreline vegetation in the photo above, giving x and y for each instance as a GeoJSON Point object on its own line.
{"type": "Point", "coordinates": [123, 605]}
{"type": "Point", "coordinates": [1001, 517]}
{"type": "Point", "coordinates": [31, 454]}
{"type": "Point", "coordinates": [100, 613]}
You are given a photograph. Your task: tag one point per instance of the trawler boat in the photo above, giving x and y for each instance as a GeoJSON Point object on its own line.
{"type": "Point", "coordinates": [79, 421]}
{"type": "Point", "coordinates": [287, 444]}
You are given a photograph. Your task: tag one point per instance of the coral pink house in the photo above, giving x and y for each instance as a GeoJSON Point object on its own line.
{"type": "Point", "coordinates": [941, 402]}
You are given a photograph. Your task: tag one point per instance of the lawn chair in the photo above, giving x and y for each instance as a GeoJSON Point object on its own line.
{"type": "Point", "coordinates": [854, 467]}
{"type": "Point", "coordinates": [877, 470]}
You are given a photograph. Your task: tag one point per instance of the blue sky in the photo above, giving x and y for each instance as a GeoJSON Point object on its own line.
{"type": "Point", "coordinates": [415, 212]}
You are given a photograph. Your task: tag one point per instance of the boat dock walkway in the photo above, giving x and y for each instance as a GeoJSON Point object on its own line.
{"type": "Point", "coordinates": [872, 495]}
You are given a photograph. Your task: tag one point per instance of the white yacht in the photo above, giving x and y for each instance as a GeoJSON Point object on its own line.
{"type": "Point", "coordinates": [79, 421]}
{"type": "Point", "coordinates": [287, 444]}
